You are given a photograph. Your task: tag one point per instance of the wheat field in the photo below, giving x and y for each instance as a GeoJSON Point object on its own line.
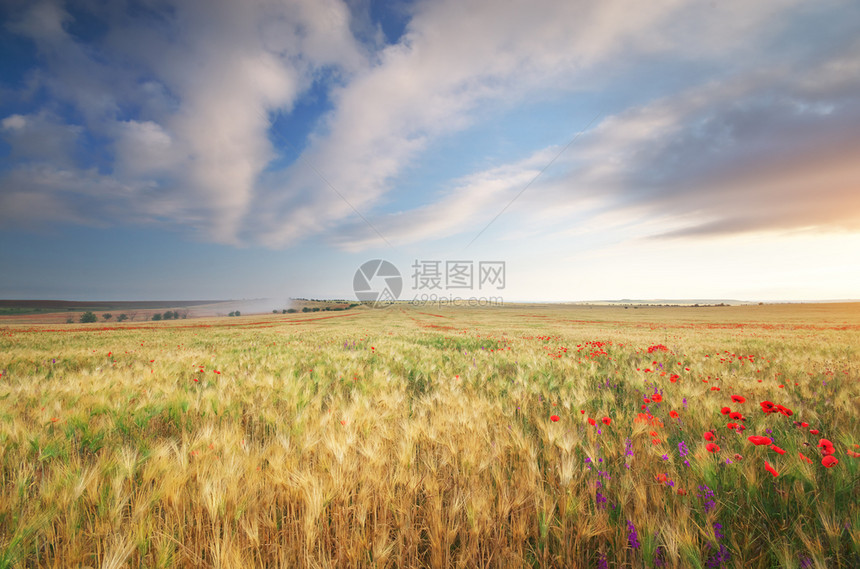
{"type": "Point", "coordinates": [518, 436]}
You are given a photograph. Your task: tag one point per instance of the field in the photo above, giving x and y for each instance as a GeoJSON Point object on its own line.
{"type": "Point", "coordinates": [522, 436]}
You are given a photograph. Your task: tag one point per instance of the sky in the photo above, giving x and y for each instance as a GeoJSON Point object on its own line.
{"type": "Point", "coordinates": [218, 149]}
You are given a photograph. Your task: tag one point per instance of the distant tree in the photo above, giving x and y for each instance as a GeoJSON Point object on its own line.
{"type": "Point", "coordinates": [168, 315]}
{"type": "Point", "coordinates": [275, 311]}
{"type": "Point", "coordinates": [156, 316]}
{"type": "Point", "coordinates": [290, 311]}
{"type": "Point", "coordinates": [238, 313]}
{"type": "Point", "coordinates": [88, 317]}
{"type": "Point", "coordinates": [107, 316]}
{"type": "Point", "coordinates": [70, 320]}
{"type": "Point", "coordinates": [122, 317]}
{"type": "Point", "coordinates": [306, 309]}
{"type": "Point", "coordinates": [132, 314]}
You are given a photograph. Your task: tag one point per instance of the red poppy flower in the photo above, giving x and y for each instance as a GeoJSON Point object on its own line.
{"type": "Point", "coordinates": [554, 418]}
{"type": "Point", "coordinates": [814, 431]}
{"type": "Point", "coordinates": [657, 398]}
{"type": "Point", "coordinates": [715, 389]}
{"type": "Point", "coordinates": [673, 414]}
{"type": "Point", "coordinates": [653, 433]}
{"type": "Point", "coordinates": [768, 406]}
{"type": "Point", "coordinates": [725, 410]}
{"type": "Point", "coordinates": [655, 441]}
{"type": "Point", "coordinates": [823, 443]}
{"type": "Point", "coordinates": [648, 420]}
{"type": "Point", "coordinates": [736, 416]}
{"type": "Point", "coordinates": [709, 436]}
{"type": "Point", "coordinates": [770, 469]}
{"type": "Point", "coordinates": [682, 492]}
{"type": "Point", "coordinates": [809, 460]}
{"type": "Point", "coordinates": [738, 399]}
{"type": "Point", "coordinates": [606, 421]}
{"type": "Point", "coordinates": [829, 461]}
{"type": "Point", "coordinates": [785, 410]}
{"type": "Point", "coordinates": [582, 411]}
{"type": "Point", "coordinates": [850, 452]}
{"type": "Point", "coordinates": [731, 425]}
{"type": "Point", "coordinates": [777, 449]}
{"type": "Point", "coordinates": [647, 400]}
{"type": "Point", "coordinates": [591, 421]}
{"type": "Point", "coordinates": [758, 441]}
{"type": "Point", "coordinates": [712, 447]}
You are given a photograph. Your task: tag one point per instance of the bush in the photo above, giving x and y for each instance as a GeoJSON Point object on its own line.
{"type": "Point", "coordinates": [122, 317]}
{"type": "Point", "coordinates": [107, 316]}
{"type": "Point", "coordinates": [156, 316]}
{"type": "Point", "coordinates": [290, 311]}
{"type": "Point", "coordinates": [88, 317]}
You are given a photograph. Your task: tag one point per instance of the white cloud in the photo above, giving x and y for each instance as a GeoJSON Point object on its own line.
{"type": "Point", "coordinates": [184, 91]}
{"type": "Point", "coordinates": [205, 76]}
{"type": "Point", "coordinates": [758, 151]}
{"type": "Point", "coordinates": [474, 199]}
{"type": "Point", "coordinates": [41, 137]}
{"type": "Point", "coordinates": [14, 122]}
{"type": "Point", "coordinates": [144, 148]}
{"type": "Point", "coordinates": [457, 56]}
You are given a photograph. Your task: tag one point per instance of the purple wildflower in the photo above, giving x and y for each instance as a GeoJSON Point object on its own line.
{"type": "Point", "coordinates": [602, 563]}
{"type": "Point", "coordinates": [632, 535]}
{"type": "Point", "coordinates": [708, 497]}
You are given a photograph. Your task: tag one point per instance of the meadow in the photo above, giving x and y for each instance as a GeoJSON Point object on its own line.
{"type": "Point", "coordinates": [517, 436]}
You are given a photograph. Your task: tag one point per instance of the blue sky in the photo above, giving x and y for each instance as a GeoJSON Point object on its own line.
{"type": "Point", "coordinates": [158, 149]}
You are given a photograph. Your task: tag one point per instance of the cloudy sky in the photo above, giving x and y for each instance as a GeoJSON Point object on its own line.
{"type": "Point", "coordinates": [187, 149]}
